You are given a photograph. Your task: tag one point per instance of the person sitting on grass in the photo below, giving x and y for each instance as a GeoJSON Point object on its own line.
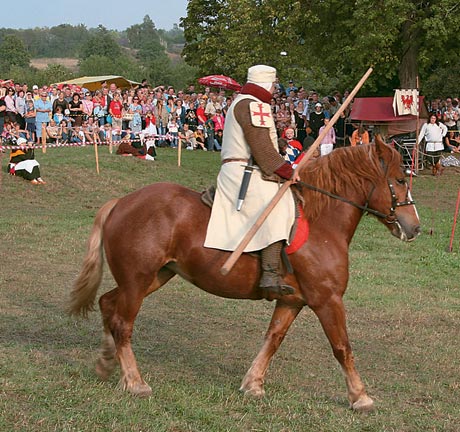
{"type": "Point", "coordinates": [91, 131]}
{"type": "Point", "coordinates": [187, 138]}
{"type": "Point", "coordinates": [452, 142]}
{"type": "Point", "coordinates": [53, 132]}
{"type": "Point", "coordinates": [200, 139]}
{"type": "Point", "coordinates": [23, 164]}
{"type": "Point", "coordinates": [126, 147]}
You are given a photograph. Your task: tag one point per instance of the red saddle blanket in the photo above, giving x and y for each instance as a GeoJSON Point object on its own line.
{"type": "Point", "coordinates": [300, 235]}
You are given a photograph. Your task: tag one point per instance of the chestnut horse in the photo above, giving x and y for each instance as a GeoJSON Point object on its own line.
{"type": "Point", "coordinates": [153, 234]}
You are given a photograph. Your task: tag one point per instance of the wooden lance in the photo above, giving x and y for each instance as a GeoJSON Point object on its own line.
{"type": "Point", "coordinates": [233, 258]}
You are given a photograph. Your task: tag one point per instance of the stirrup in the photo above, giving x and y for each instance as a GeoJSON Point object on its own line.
{"type": "Point", "coordinates": [281, 289]}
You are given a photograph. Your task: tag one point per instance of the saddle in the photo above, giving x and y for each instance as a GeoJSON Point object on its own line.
{"type": "Point", "coordinates": [207, 196]}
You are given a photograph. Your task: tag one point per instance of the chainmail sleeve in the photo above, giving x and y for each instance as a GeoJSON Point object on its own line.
{"type": "Point", "coordinates": [259, 141]}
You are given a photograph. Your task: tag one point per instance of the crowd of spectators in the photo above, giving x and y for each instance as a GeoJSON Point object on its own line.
{"type": "Point", "coordinates": [191, 118]}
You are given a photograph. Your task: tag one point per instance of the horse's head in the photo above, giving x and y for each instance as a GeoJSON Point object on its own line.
{"type": "Point", "coordinates": [391, 196]}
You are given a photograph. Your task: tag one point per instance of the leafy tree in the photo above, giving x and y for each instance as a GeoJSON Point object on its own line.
{"type": "Point", "coordinates": [100, 43]}
{"type": "Point", "coordinates": [55, 73]}
{"type": "Point", "coordinates": [145, 39]}
{"type": "Point", "coordinates": [65, 40]}
{"type": "Point", "coordinates": [330, 41]}
{"type": "Point", "coordinates": [13, 53]}
{"type": "Point", "coordinates": [139, 34]}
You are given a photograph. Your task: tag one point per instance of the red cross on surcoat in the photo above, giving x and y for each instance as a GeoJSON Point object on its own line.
{"type": "Point", "coordinates": [261, 114]}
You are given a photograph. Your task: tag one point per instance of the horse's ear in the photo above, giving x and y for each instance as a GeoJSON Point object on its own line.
{"type": "Point", "coordinates": [382, 149]}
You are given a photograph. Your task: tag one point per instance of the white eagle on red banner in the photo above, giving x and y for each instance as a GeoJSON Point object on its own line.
{"type": "Point", "coordinates": [405, 102]}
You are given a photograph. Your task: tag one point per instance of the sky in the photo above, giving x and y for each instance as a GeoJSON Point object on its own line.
{"type": "Point", "coordinates": [112, 14]}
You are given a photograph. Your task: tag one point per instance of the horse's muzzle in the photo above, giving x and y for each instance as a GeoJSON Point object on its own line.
{"type": "Point", "coordinates": [404, 233]}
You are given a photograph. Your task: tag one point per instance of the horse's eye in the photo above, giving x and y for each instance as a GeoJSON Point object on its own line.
{"type": "Point", "coordinates": [401, 181]}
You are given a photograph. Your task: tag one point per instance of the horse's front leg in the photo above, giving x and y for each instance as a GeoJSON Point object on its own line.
{"type": "Point", "coordinates": [332, 317]}
{"type": "Point", "coordinates": [282, 318]}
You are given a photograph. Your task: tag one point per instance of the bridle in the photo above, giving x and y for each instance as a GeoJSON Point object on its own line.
{"type": "Point", "coordinates": [389, 218]}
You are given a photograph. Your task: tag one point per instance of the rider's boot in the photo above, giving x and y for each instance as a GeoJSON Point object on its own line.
{"type": "Point", "coordinates": [271, 280]}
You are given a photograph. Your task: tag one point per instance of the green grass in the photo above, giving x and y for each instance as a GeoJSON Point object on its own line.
{"type": "Point", "coordinates": [403, 304]}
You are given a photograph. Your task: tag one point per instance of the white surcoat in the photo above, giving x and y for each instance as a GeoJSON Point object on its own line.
{"type": "Point", "coordinates": [227, 226]}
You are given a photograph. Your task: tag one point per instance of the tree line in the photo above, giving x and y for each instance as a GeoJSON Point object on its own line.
{"type": "Point", "coordinates": [329, 44]}
{"type": "Point", "coordinates": [323, 45]}
{"type": "Point", "coordinates": [140, 52]}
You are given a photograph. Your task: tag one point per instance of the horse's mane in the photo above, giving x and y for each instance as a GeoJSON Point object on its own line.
{"type": "Point", "coordinates": [347, 168]}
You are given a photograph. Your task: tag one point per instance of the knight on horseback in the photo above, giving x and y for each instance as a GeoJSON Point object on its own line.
{"type": "Point", "coordinates": [250, 139]}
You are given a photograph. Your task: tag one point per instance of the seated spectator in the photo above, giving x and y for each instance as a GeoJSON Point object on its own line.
{"type": "Point", "coordinates": [218, 137]}
{"type": "Point", "coordinates": [200, 139]}
{"type": "Point", "coordinates": [209, 129]}
{"type": "Point", "coordinates": [53, 132]}
{"type": "Point", "coordinates": [126, 147]}
{"type": "Point", "coordinates": [452, 142]}
{"type": "Point", "coordinates": [23, 164]}
{"type": "Point", "coordinates": [65, 132]}
{"type": "Point", "coordinates": [76, 135]}
{"type": "Point", "coordinates": [187, 138]}
{"type": "Point", "coordinates": [359, 136]}
{"type": "Point", "coordinates": [450, 117]}
{"type": "Point", "coordinates": [105, 133]}
{"type": "Point", "coordinates": [17, 132]}
{"type": "Point", "coordinates": [289, 152]}
{"type": "Point", "coordinates": [91, 130]}
{"type": "Point", "coordinates": [7, 137]}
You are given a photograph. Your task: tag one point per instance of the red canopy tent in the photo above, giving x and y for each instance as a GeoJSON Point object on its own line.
{"type": "Point", "coordinates": [378, 111]}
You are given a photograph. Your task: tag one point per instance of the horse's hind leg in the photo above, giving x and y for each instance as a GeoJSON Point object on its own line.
{"type": "Point", "coordinates": [107, 360]}
{"type": "Point", "coordinates": [282, 318]}
{"type": "Point", "coordinates": [119, 309]}
{"type": "Point", "coordinates": [332, 317]}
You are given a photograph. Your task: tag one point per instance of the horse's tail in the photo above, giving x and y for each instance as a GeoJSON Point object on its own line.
{"type": "Point", "coordinates": [84, 290]}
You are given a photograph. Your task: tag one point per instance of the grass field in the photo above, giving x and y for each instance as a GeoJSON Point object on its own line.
{"type": "Point", "coordinates": [403, 305]}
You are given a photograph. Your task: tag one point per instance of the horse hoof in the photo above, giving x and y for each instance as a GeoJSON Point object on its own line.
{"type": "Point", "coordinates": [140, 389]}
{"type": "Point", "coordinates": [363, 404]}
{"type": "Point", "coordinates": [256, 392]}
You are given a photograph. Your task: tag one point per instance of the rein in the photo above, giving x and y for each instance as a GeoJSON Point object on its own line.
{"type": "Point", "coordinates": [364, 208]}
{"type": "Point", "coordinates": [389, 218]}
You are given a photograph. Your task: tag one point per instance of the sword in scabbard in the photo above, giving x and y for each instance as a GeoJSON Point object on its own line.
{"type": "Point", "coordinates": [245, 183]}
